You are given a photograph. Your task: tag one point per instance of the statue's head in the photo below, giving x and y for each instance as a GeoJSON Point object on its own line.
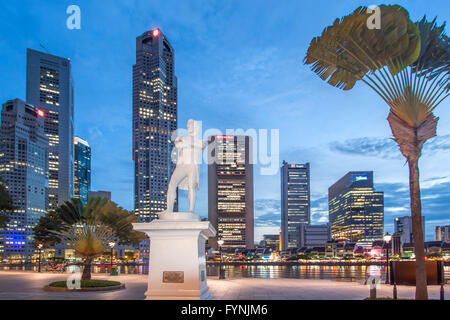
{"type": "Point", "coordinates": [193, 127]}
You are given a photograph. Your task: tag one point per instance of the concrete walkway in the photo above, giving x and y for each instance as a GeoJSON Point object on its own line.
{"type": "Point", "coordinates": [23, 285]}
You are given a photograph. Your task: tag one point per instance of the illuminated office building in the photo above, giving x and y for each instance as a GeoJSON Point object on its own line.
{"type": "Point", "coordinates": [24, 169]}
{"type": "Point", "coordinates": [154, 120]}
{"type": "Point", "coordinates": [295, 203]}
{"type": "Point", "coordinates": [271, 241]}
{"type": "Point", "coordinates": [50, 88]}
{"type": "Point", "coordinates": [230, 191]}
{"type": "Point", "coordinates": [403, 227]}
{"type": "Point", "coordinates": [82, 170]}
{"type": "Point", "coordinates": [356, 210]}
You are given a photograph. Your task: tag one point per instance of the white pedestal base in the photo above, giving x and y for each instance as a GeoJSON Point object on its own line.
{"type": "Point", "coordinates": [177, 267]}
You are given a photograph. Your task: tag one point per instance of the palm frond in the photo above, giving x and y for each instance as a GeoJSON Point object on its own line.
{"type": "Point", "coordinates": [407, 64]}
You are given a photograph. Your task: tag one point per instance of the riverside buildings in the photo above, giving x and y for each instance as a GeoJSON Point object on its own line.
{"type": "Point", "coordinates": [356, 210]}
{"type": "Point", "coordinates": [403, 227]}
{"type": "Point", "coordinates": [295, 202]}
{"type": "Point", "coordinates": [442, 233]}
{"type": "Point", "coordinates": [230, 191]}
{"type": "Point", "coordinates": [311, 236]}
{"type": "Point", "coordinates": [50, 88]}
{"type": "Point", "coordinates": [24, 169]}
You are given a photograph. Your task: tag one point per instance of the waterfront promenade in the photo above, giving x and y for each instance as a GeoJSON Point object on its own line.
{"type": "Point", "coordinates": [27, 285]}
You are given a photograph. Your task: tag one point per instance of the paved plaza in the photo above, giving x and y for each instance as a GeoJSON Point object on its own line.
{"type": "Point", "coordinates": [28, 286]}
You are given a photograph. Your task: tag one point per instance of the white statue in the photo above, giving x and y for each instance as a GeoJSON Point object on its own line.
{"type": "Point", "coordinates": [187, 172]}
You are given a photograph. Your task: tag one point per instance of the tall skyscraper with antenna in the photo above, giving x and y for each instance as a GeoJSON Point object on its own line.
{"type": "Point", "coordinates": [154, 120]}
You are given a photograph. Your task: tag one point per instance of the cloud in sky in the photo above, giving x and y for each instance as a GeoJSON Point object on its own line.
{"type": "Point", "coordinates": [386, 148]}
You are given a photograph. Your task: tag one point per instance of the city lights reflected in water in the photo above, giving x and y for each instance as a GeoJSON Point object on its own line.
{"type": "Point", "coordinates": [266, 271]}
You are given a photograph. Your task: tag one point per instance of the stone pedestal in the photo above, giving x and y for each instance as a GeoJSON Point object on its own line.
{"type": "Point", "coordinates": [177, 267]}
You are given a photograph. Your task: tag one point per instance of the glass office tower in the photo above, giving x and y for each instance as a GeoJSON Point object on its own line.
{"type": "Point", "coordinates": [24, 170]}
{"type": "Point", "coordinates": [295, 202]}
{"type": "Point", "coordinates": [50, 88]}
{"type": "Point", "coordinates": [154, 120]}
{"type": "Point", "coordinates": [356, 210]}
{"type": "Point", "coordinates": [82, 170]}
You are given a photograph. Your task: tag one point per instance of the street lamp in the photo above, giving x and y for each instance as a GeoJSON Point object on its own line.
{"type": "Point", "coordinates": [111, 245]}
{"type": "Point", "coordinates": [221, 273]}
{"type": "Point", "coordinates": [387, 239]}
{"type": "Point", "coordinates": [40, 245]}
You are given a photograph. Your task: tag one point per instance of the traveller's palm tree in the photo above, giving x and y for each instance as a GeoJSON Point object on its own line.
{"type": "Point", "coordinates": [89, 229]}
{"type": "Point", "coordinates": [407, 64]}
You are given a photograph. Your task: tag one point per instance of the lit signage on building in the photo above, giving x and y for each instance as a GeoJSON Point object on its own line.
{"type": "Point", "coordinates": [361, 178]}
{"type": "Point", "coordinates": [225, 137]}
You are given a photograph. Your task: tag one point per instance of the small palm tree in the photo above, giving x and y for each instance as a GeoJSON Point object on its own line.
{"type": "Point", "coordinates": [88, 229]}
{"type": "Point", "coordinates": [407, 64]}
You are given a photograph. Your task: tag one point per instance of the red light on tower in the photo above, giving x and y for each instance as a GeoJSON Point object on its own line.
{"type": "Point", "coordinates": [155, 32]}
{"type": "Point", "coordinates": [40, 113]}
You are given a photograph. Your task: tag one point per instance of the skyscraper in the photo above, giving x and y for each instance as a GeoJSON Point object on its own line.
{"type": "Point", "coordinates": [154, 120]}
{"type": "Point", "coordinates": [50, 88]}
{"type": "Point", "coordinates": [403, 227]}
{"type": "Point", "coordinates": [295, 202]}
{"type": "Point", "coordinates": [24, 169]}
{"type": "Point", "coordinates": [230, 191]}
{"type": "Point", "coordinates": [82, 170]}
{"type": "Point", "coordinates": [442, 233]}
{"type": "Point", "coordinates": [356, 210]}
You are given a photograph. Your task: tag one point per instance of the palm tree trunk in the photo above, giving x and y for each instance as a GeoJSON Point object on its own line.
{"type": "Point", "coordinates": [410, 140]}
{"type": "Point", "coordinates": [419, 250]}
{"type": "Point", "coordinates": [87, 269]}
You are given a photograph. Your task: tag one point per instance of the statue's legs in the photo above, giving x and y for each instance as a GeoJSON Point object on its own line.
{"type": "Point", "coordinates": [177, 176]}
{"type": "Point", "coordinates": [191, 197]}
{"type": "Point", "coordinates": [191, 189]}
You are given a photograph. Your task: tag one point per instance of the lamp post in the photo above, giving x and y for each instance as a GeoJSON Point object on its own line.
{"type": "Point", "coordinates": [387, 239]}
{"type": "Point", "coordinates": [111, 245]}
{"type": "Point", "coordinates": [40, 245]}
{"type": "Point", "coordinates": [221, 273]}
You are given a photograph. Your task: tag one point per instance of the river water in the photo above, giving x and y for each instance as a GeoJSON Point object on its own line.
{"type": "Point", "coordinates": [265, 271]}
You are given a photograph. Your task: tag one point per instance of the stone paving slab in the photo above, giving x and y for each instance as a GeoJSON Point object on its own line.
{"type": "Point", "coordinates": [24, 285]}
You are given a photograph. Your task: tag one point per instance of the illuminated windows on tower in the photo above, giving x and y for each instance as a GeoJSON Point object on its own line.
{"type": "Point", "coordinates": [230, 191]}
{"type": "Point", "coordinates": [50, 88]}
{"type": "Point", "coordinates": [154, 120]}
{"type": "Point", "coordinates": [82, 170]}
{"type": "Point", "coordinates": [295, 203]}
{"type": "Point", "coordinates": [356, 210]}
{"type": "Point", "coordinates": [24, 169]}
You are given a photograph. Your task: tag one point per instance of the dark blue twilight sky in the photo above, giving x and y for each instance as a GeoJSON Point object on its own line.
{"type": "Point", "coordinates": [239, 65]}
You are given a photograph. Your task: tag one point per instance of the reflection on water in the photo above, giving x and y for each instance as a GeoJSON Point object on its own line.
{"type": "Point", "coordinates": [261, 271]}
{"type": "Point", "coordinates": [296, 272]}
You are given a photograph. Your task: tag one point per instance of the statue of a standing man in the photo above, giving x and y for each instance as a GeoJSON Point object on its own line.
{"type": "Point", "coordinates": [187, 171]}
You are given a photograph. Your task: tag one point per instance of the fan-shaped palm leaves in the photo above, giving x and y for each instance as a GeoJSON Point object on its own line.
{"type": "Point", "coordinates": [407, 64]}
{"type": "Point", "coordinates": [88, 229]}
